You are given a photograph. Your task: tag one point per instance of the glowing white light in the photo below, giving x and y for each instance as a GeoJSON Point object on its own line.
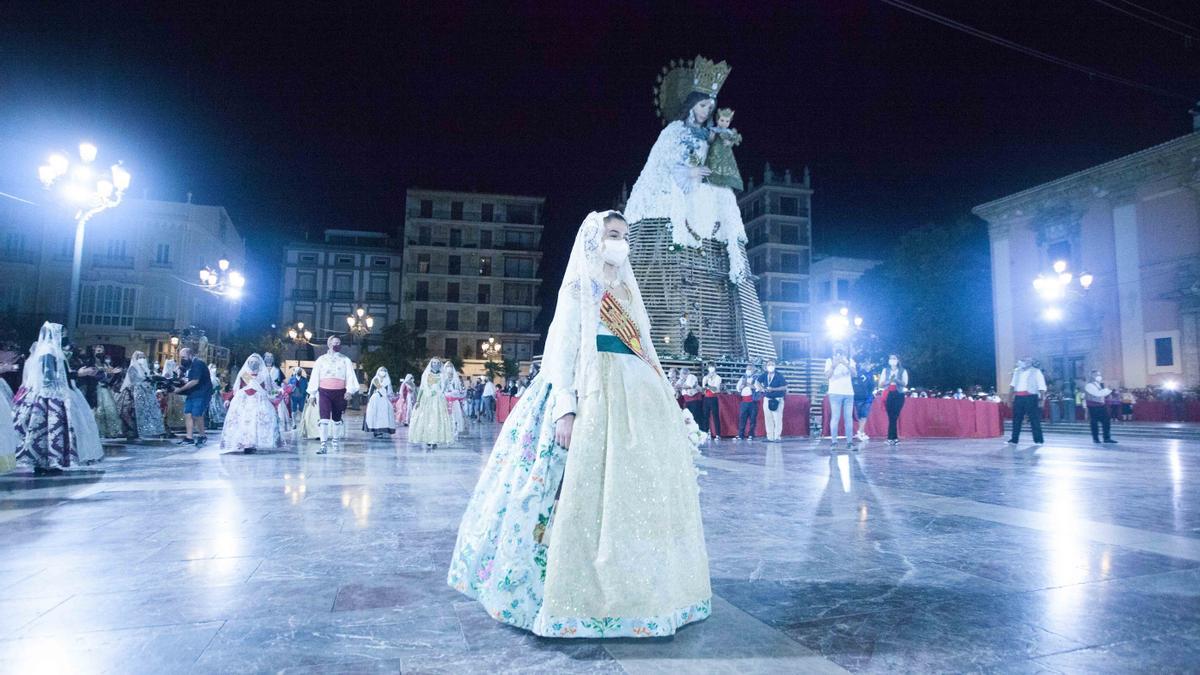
{"type": "Point", "coordinates": [1052, 314]}
{"type": "Point", "coordinates": [845, 311]}
{"type": "Point", "coordinates": [370, 322]}
{"type": "Point", "coordinates": [1065, 278]}
{"type": "Point", "coordinates": [360, 311]}
{"type": "Point", "coordinates": [223, 264]}
{"type": "Point", "coordinates": [76, 193]}
{"type": "Point", "coordinates": [1086, 280]}
{"type": "Point", "coordinates": [1171, 385]}
{"type": "Point", "coordinates": [237, 280]}
{"type": "Point", "coordinates": [350, 321]}
{"type": "Point", "coordinates": [121, 177]}
{"type": "Point", "coordinates": [1039, 283]}
{"type": "Point", "coordinates": [46, 174]}
{"type": "Point", "coordinates": [59, 163]}
{"type": "Point", "coordinates": [82, 173]}
{"type": "Point", "coordinates": [105, 188]}
{"type": "Point", "coordinates": [234, 293]}
{"type": "Point", "coordinates": [1060, 266]}
{"type": "Point", "coordinates": [87, 152]}
{"type": "Point", "coordinates": [858, 322]}
{"type": "Point", "coordinates": [204, 276]}
{"type": "Point", "coordinates": [300, 325]}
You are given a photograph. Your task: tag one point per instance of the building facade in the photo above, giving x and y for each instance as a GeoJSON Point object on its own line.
{"type": "Point", "coordinates": [472, 271]}
{"type": "Point", "coordinates": [141, 262]}
{"type": "Point", "coordinates": [325, 281]}
{"type": "Point", "coordinates": [831, 283]}
{"type": "Point", "coordinates": [1133, 225]}
{"type": "Point", "coordinates": [778, 217]}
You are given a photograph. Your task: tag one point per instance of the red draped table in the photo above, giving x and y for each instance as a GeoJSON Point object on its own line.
{"type": "Point", "coordinates": [1164, 411]}
{"type": "Point", "coordinates": [504, 405]}
{"type": "Point", "coordinates": [931, 418]}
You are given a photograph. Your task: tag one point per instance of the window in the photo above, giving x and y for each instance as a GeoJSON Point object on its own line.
{"type": "Point", "coordinates": [518, 294]}
{"type": "Point", "coordinates": [452, 291]}
{"type": "Point", "coordinates": [485, 265]}
{"type": "Point", "coordinates": [426, 208]}
{"type": "Point", "coordinates": [789, 291]}
{"type": "Point", "coordinates": [14, 243]}
{"type": "Point", "coordinates": [520, 214]}
{"type": "Point", "coordinates": [843, 289]}
{"type": "Point", "coordinates": [455, 264]}
{"type": "Point", "coordinates": [451, 347]}
{"type": "Point", "coordinates": [788, 206]}
{"type": "Point", "coordinates": [306, 281]}
{"type": "Point", "coordinates": [156, 306]}
{"type": "Point", "coordinates": [790, 263]}
{"type": "Point", "coordinates": [518, 240]}
{"type": "Point", "coordinates": [456, 211]}
{"type": "Point", "coordinates": [423, 263]}
{"type": "Point", "coordinates": [456, 235]}
{"type": "Point", "coordinates": [1163, 354]}
{"type": "Point", "coordinates": [162, 254]}
{"type": "Point", "coordinates": [826, 291]}
{"type": "Point", "coordinates": [424, 235]}
{"type": "Point", "coordinates": [305, 316]}
{"type": "Point", "coordinates": [308, 258]}
{"type": "Point", "coordinates": [379, 261]}
{"type": "Point", "coordinates": [485, 239]}
{"type": "Point", "coordinates": [343, 283]}
{"type": "Point", "coordinates": [484, 295]}
{"type": "Point", "coordinates": [116, 248]}
{"type": "Point", "coordinates": [345, 260]}
{"type": "Point", "coordinates": [379, 284]}
{"type": "Point", "coordinates": [421, 319]}
{"type": "Point", "coordinates": [422, 291]}
{"type": "Point", "coordinates": [452, 319]}
{"type": "Point", "coordinates": [107, 305]}
{"type": "Point", "coordinates": [483, 321]}
{"type": "Point", "coordinates": [789, 234]}
{"type": "Point", "coordinates": [521, 268]}
{"type": "Point", "coordinates": [517, 321]}
{"type": "Point", "coordinates": [794, 350]}
{"type": "Point", "coordinates": [487, 213]}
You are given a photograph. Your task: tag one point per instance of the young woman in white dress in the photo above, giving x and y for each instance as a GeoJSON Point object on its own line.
{"type": "Point", "coordinates": [431, 423]}
{"type": "Point", "coordinates": [251, 423]}
{"type": "Point", "coordinates": [621, 552]}
{"type": "Point", "coordinates": [379, 419]}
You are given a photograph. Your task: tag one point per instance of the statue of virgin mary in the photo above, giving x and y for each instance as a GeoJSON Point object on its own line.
{"type": "Point", "coordinates": [672, 185]}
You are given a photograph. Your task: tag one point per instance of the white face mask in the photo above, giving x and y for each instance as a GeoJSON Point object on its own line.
{"type": "Point", "coordinates": [893, 363]}
{"type": "Point", "coordinates": [711, 371]}
{"type": "Point", "coordinates": [770, 369]}
{"type": "Point", "coordinates": [615, 251]}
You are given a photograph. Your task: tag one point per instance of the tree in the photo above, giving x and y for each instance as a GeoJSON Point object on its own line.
{"type": "Point", "coordinates": [401, 350]}
{"type": "Point", "coordinates": [931, 303]}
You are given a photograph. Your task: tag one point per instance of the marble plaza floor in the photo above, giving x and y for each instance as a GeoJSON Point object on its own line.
{"type": "Point", "coordinates": [941, 556]}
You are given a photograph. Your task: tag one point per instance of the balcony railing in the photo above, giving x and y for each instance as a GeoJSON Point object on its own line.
{"type": "Point", "coordinates": [341, 295]}
{"type": "Point", "coordinates": [124, 262]}
{"type": "Point", "coordinates": [149, 323]}
{"type": "Point", "coordinates": [379, 297]}
{"type": "Point", "coordinates": [304, 294]}
{"type": "Point", "coordinates": [18, 255]}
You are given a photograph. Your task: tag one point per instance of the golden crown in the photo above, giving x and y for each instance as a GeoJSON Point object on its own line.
{"type": "Point", "coordinates": [707, 77]}
{"type": "Point", "coordinates": [680, 78]}
{"type": "Point", "coordinates": [725, 112]}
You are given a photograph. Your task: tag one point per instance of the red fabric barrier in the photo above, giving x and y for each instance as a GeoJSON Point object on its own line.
{"type": "Point", "coordinates": [931, 418]}
{"type": "Point", "coordinates": [504, 405]}
{"type": "Point", "coordinates": [1164, 411]}
{"type": "Point", "coordinates": [795, 415]}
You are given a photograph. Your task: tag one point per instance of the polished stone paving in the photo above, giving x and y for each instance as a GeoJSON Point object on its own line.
{"type": "Point", "coordinates": [939, 556]}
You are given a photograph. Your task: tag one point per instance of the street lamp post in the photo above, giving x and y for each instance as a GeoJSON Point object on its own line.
{"type": "Point", "coordinates": [299, 334]}
{"type": "Point", "coordinates": [360, 323]}
{"type": "Point", "coordinates": [89, 192]}
{"type": "Point", "coordinates": [222, 282]}
{"type": "Point", "coordinates": [1056, 289]}
{"type": "Point", "coordinates": [490, 349]}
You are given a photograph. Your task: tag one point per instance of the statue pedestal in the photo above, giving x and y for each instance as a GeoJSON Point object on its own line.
{"type": "Point", "coordinates": [694, 282]}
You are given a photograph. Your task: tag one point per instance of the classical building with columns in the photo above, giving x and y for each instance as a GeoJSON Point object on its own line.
{"type": "Point", "coordinates": [1133, 226]}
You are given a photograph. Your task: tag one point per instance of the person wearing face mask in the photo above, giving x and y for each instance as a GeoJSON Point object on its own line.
{"type": "Point", "coordinates": [332, 383]}
{"type": "Point", "coordinates": [893, 383]}
{"type": "Point", "coordinates": [774, 386]}
{"type": "Point", "coordinates": [689, 389]}
{"type": "Point", "coordinates": [748, 390]}
{"type": "Point", "coordinates": [140, 415]}
{"type": "Point", "coordinates": [1028, 387]}
{"type": "Point", "coordinates": [251, 423]}
{"type": "Point", "coordinates": [197, 390]}
{"type": "Point", "coordinates": [839, 372]}
{"type": "Point", "coordinates": [712, 409]}
{"type": "Point", "coordinates": [1096, 396]}
{"type": "Point", "coordinates": [431, 423]}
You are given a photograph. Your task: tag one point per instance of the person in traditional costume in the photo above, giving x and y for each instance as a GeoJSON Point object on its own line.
{"type": "Point", "coordinates": [379, 419]}
{"type": "Point", "coordinates": [431, 423]}
{"type": "Point", "coordinates": [173, 411]}
{"type": "Point", "coordinates": [606, 539]}
{"type": "Point", "coordinates": [404, 402]}
{"type": "Point", "coordinates": [251, 423]}
{"type": "Point", "coordinates": [141, 416]}
{"type": "Point", "coordinates": [333, 382]}
{"type": "Point", "coordinates": [52, 419]}
{"type": "Point", "coordinates": [216, 405]}
{"type": "Point", "coordinates": [720, 160]}
{"type": "Point", "coordinates": [310, 419]}
{"type": "Point", "coordinates": [674, 184]}
{"type": "Point", "coordinates": [281, 393]}
{"type": "Point", "coordinates": [456, 395]}
{"type": "Point", "coordinates": [108, 414]}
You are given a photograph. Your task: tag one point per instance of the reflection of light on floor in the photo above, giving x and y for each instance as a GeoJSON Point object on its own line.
{"type": "Point", "coordinates": [843, 462]}
{"type": "Point", "coordinates": [1177, 511]}
{"type": "Point", "coordinates": [224, 540]}
{"type": "Point", "coordinates": [862, 514]}
{"type": "Point", "coordinates": [1068, 559]}
{"type": "Point", "coordinates": [359, 504]}
{"type": "Point", "coordinates": [294, 488]}
{"type": "Point", "coordinates": [773, 466]}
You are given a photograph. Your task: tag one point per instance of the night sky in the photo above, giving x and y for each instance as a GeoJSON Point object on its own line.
{"type": "Point", "coordinates": [320, 117]}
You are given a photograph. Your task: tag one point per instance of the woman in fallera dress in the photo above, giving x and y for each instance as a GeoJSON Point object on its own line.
{"type": "Point", "coordinates": [621, 552]}
{"type": "Point", "coordinates": [251, 422]}
{"type": "Point", "coordinates": [379, 419]}
{"type": "Point", "coordinates": [404, 402]}
{"type": "Point", "coordinates": [138, 402]}
{"type": "Point", "coordinates": [431, 423]}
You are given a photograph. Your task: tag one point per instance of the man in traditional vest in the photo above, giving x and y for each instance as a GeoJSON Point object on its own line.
{"type": "Point", "coordinates": [333, 382]}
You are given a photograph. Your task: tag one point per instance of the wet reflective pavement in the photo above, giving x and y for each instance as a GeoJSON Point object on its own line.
{"type": "Point", "coordinates": [938, 556]}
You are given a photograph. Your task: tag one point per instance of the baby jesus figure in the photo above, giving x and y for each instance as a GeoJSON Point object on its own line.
{"type": "Point", "coordinates": [720, 153]}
